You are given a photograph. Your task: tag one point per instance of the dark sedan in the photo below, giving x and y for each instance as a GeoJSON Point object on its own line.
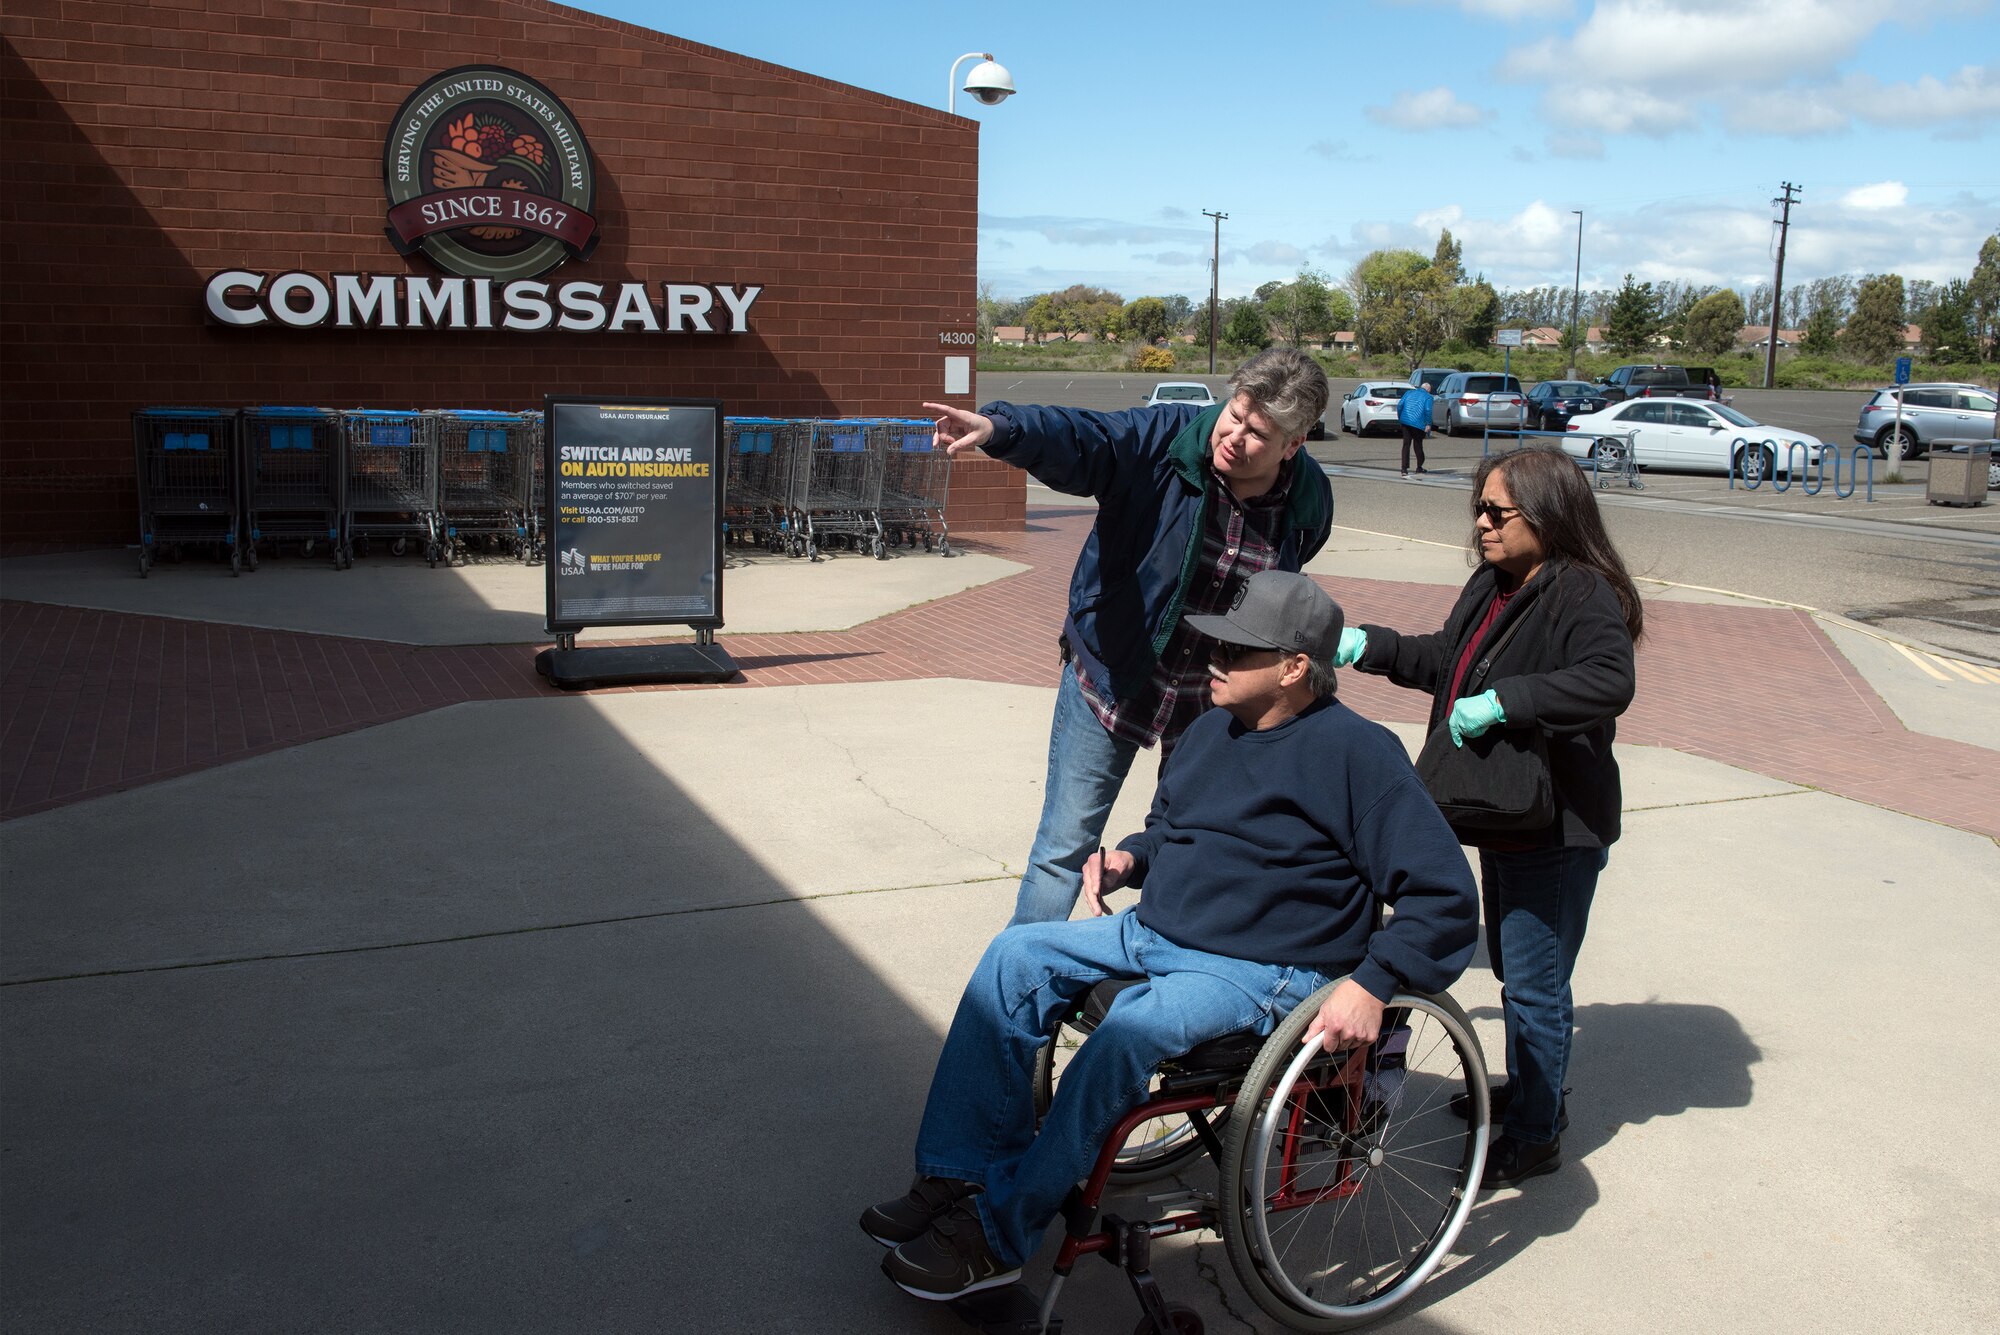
{"type": "Point", "coordinates": [1553, 402]}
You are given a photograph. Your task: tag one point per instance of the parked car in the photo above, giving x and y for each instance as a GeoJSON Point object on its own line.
{"type": "Point", "coordinates": [1471, 400]}
{"type": "Point", "coordinates": [1553, 402]}
{"type": "Point", "coordinates": [1371, 404]}
{"type": "Point", "coordinates": [1930, 412]}
{"type": "Point", "coordinates": [1430, 377]}
{"type": "Point", "coordinates": [1656, 381]}
{"type": "Point", "coordinates": [1181, 391]}
{"type": "Point", "coordinates": [1689, 436]}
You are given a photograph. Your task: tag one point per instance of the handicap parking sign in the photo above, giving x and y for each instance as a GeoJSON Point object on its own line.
{"type": "Point", "coordinates": [1902, 370]}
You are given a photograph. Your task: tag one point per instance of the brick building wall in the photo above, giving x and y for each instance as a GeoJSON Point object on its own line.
{"type": "Point", "coordinates": [148, 146]}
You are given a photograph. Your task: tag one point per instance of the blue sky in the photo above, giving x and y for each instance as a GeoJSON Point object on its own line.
{"type": "Point", "coordinates": [1326, 130]}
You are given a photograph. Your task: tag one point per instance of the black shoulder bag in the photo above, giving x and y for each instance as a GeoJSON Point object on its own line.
{"type": "Point", "coordinates": [1498, 781]}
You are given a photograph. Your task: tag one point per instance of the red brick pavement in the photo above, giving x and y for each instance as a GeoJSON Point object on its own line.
{"type": "Point", "coordinates": [93, 702]}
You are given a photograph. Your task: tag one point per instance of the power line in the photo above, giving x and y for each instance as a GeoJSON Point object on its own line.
{"type": "Point", "coordinates": [1778, 283]}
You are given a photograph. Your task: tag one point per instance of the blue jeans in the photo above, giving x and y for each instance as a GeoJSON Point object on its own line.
{"type": "Point", "coordinates": [979, 1122]}
{"type": "Point", "coordinates": [1537, 905]}
{"type": "Point", "coordinates": [1087, 766]}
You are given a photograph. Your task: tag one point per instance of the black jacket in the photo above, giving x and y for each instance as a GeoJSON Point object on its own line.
{"type": "Point", "coordinates": [1568, 672]}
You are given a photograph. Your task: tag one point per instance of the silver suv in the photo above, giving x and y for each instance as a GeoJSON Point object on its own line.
{"type": "Point", "coordinates": [1930, 412]}
{"type": "Point", "coordinates": [1470, 400]}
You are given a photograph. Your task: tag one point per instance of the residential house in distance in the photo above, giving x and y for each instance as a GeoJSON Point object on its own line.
{"type": "Point", "coordinates": [1011, 335]}
{"type": "Point", "coordinates": [1758, 335]}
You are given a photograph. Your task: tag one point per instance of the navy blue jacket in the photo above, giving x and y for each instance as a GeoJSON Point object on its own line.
{"type": "Point", "coordinates": [1148, 469]}
{"type": "Point", "coordinates": [1280, 846]}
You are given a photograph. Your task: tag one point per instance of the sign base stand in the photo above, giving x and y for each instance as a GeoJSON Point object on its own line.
{"type": "Point", "coordinates": [575, 669]}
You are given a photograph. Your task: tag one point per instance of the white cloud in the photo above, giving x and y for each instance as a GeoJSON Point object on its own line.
{"type": "Point", "coordinates": [1881, 195]}
{"type": "Point", "coordinates": [1966, 101]}
{"type": "Point", "coordinates": [1600, 109]}
{"type": "Point", "coordinates": [1576, 146]}
{"type": "Point", "coordinates": [1270, 252]}
{"type": "Point", "coordinates": [1510, 10]}
{"type": "Point", "coordinates": [1692, 45]}
{"type": "Point", "coordinates": [1333, 150]}
{"type": "Point", "coordinates": [1433, 109]}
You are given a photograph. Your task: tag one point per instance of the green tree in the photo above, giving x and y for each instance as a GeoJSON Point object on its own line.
{"type": "Point", "coordinates": [1449, 258]}
{"type": "Point", "coordinates": [1635, 318]}
{"type": "Point", "coordinates": [1247, 327]}
{"type": "Point", "coordinates": [1300, 309]}
{"type": "Point", "coordinates": [1984, 292]}
{"type": "Point", "coordinates": [1713, 323]}
{"type": "Point", "coordinates": [1180, 310]}
{"type": "Point", "coordinates": [1947, 322]}
{"type": "Point", "coordinates": [1146, 319]}
{"type": "Point", "coordinates": [1875, 330]}
{"type": "Point", "coordinates": [1476, 307]}
{"type": "Point", "coordinates": [1401, 302]}
{"type": "Point", "coordinates": [1339, 309]}
{"type": "Point", "coordinates": [1821, 337]}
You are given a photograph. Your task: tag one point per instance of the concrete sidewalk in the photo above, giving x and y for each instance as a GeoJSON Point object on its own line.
{"type": "Point", "coordinates": [611, 1012]}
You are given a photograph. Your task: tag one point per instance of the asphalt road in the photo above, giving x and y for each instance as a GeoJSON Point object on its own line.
{"type": "Point", "coordinates": [1923, 571]}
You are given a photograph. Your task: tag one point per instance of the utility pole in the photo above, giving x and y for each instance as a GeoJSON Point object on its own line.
{"type": "Point", "coordinates": [1778, 282]}
{"type": "Point", "coordinates": [1576, 298]}
{"type": "Point", "coordinates": [1214, 283]}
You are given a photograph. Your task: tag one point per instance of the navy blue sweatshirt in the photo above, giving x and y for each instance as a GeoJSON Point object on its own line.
{"type": "Point", "coordinates": [1275, 846]}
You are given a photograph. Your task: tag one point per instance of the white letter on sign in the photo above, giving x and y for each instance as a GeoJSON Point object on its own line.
{"type": "Point", "coordinates": [689, 302]}
{"type": "Point", "coordinates": [228, 281]}
{"type": "Point", "coordinates": [738, 304]}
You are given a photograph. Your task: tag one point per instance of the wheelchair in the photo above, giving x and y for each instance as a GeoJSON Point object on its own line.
{"type": "Point", "coordinates": [1342, 1178]}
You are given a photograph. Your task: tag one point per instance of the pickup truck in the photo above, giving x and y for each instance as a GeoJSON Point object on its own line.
{"type": "Point", "coordinates": [1658, 382]}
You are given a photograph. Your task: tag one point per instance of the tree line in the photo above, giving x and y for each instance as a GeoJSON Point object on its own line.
{"type": "Point", "coordinates": [1403, 302]}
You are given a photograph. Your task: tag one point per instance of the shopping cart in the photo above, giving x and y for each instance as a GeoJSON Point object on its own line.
{"type": "Point", "coordinates": [765, 455]}
{"type": "Point", "coordinates": [836, 495]}
{"type": "Point", "coordinates": [916, 476]}
{"type": "Point", "coordinates": [292, 479]}
{"type": "Point", "coordinates": [392, 482]}
{"type": "Point", "coordinates": [483, 469]}
{"type": "Point", "coordinates": [537, 483]}
{"type": "Point", "coordinates": [186, 464]}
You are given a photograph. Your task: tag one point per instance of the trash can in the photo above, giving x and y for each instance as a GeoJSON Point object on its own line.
{"type": "Point", "coordinates": [1959, 471]}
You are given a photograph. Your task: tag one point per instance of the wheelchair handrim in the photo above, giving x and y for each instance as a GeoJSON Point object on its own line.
{"type": "Point", "coordinates": [1437, 1247]}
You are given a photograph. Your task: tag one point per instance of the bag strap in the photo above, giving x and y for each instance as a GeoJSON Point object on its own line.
{"type": "Point", "coordinates": [1485, 663]}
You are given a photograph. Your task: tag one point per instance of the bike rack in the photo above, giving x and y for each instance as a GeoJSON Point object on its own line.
{"type": "Point", "coordinates": [1810, 476]}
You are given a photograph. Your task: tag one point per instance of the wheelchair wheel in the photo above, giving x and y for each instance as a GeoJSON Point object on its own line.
{"type": "Point", "coordinates": [1346, 1178]}
{"type": "Point", "coordinates": [1155, 1148]}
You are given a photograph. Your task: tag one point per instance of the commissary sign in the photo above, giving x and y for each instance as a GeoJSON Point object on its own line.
{"type": "Point", "coordinates": [488, 175]}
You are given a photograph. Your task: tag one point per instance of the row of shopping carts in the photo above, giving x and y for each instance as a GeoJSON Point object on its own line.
{"type": "Point", "coordinates": [251, 480]}
{"type": "Point", "coordinates": [448, 482]}
{"type": "Point", "coordinates": [807, 486]}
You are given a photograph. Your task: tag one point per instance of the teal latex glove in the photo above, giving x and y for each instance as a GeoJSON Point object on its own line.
{"type": "Point", "coordinates": [1474, 715]}
{"type": "Point", "coordinates": [1353, 643]}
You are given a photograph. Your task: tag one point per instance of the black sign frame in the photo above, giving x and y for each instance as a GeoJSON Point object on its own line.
{"type": "Point", "coordinates": [705, 625]}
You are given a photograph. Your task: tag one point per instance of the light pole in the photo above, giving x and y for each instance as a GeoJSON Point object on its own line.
{"type": "Point", "coordinates": [988, 83]}
{"type": "Point", "coordinates": [1576, 294]}
{"type": "Point", "coordinates": [1214, 283]}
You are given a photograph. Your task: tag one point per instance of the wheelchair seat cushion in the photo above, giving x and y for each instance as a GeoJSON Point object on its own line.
{"type": "Point", "coordinates": [1227, 1054]}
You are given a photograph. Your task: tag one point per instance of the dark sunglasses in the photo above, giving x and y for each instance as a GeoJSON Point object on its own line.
{"type": "Point", "coordinates": [1228, 654]}
{"type": "Point", "coordinates": [1496, 515]}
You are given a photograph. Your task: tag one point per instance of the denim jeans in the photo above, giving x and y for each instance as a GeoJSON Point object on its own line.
{"type": "Point", "coordinates": [1087, 766]}
{"type": "Point", "coordinates": [979, 1123]}
{"type": "Point", "coordinates": [1537, 904]}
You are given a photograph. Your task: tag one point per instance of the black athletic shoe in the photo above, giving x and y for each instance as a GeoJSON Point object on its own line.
{"type": "Point", "coordinates": [1510, 1162]}
{"type": "Point", "coordinates": [1497, 1099]}
{"type": "Point", "coordinates": [910, 1216]}
{"type": "Point", "coordinates": [950, 1261]}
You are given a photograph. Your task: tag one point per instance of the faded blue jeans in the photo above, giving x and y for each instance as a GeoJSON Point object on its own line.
{"type": "Point", "coordinates": [979, 1123]}
{"type": "Point", "coordinates": [1087, 767]}
{"type": "Point", "coordinates": [1536, 905]}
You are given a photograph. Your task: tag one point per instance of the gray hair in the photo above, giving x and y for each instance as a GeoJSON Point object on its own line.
{"type": "Point", "coordinates": [1288, 385]}
{"type": "Point", "coordinates": [1319, 677]}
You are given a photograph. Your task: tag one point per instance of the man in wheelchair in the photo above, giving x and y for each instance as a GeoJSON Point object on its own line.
{"type": "Point", "coordinates": [1280, 825]}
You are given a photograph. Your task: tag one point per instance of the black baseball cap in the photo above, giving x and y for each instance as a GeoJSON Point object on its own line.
{"type": "Point", "coordinates": [1276, 609]}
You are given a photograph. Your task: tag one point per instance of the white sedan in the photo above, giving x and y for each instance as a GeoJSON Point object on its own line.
{"type": "Point", "coordinates": [1690, 436]}
{"type": "Point", "coordinates": [1181, 391]}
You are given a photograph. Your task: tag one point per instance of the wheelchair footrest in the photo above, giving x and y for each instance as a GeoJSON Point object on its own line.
{"type": "Point", "coordinates": [1014, 1310]}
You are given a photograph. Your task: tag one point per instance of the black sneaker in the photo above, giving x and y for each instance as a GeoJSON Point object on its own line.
{"type": "Point", "coordinates": [1497, 1099]}
{"type": "Point", "coordinates": [910, 1216]}
{"type": "Point", "coordinates": [1510, 1162]}
{"type": "Point", "coordinates": [950, 1261]}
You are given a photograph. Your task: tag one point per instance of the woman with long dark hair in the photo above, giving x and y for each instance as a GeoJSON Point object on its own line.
{"type": "Point", "coordinates": [1541, 638]}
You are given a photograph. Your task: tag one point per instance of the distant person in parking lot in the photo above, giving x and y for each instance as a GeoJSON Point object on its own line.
{"type": "Point", "coordinates": [1714, 382]}
{"type": "Point", "coordinates": [1413, 411]}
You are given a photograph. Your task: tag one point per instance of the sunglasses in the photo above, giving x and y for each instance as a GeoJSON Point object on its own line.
{"type": "Point", "coordinates": [1496, 515]}
{"type": "Point", "coordinates": [1228, 654]}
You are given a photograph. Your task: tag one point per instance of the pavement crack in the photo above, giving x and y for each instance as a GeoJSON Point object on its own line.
{"type": "Point", "coordinates": [1719, 801]}
{"type": "Point", "coordinates": [861, 777]}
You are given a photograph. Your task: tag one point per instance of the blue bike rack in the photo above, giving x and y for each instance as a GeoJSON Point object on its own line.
{"type": "Point", "coordinates": [1811, 473]}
